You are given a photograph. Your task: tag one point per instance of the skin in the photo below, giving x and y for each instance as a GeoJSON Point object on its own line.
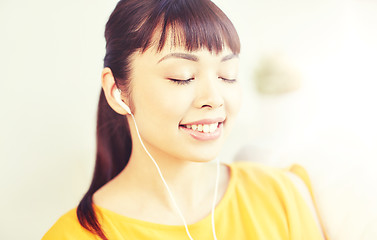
{"type": "Point", "coordinates": [161, 105]}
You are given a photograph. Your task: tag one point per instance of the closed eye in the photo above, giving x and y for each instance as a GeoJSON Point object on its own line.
{"type": "Point", "coordinates": [181, 81]}
{"type": "Point", "coordinates": [229, 80]}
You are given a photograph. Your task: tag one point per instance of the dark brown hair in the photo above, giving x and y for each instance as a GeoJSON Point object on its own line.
{"type": "Point", "coordinates": [136, 25]}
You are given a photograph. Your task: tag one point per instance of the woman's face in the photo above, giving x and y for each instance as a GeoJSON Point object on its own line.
{"type": "Point", "coordinates": [184, 102]}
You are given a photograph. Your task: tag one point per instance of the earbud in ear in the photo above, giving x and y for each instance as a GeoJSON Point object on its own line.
{"type": "Point", "coordinates": [119, 100]}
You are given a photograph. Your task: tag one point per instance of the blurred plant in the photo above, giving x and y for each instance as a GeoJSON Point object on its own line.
{"type": "Point", "coordinates": [276, 75]}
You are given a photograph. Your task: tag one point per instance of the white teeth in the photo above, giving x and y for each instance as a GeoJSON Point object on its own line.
{"type": "Point", "coordinates": [206, 128]}
{"type": "Point", "coordinates": [212, 127]}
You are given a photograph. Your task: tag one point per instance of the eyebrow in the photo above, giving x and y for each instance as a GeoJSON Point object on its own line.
{"type": "Point", "coordinates": [186, 56]}
{"type": "Point", "coordinates": [228, 57]}
{"type": "Point", "coordinates": [192, 57]}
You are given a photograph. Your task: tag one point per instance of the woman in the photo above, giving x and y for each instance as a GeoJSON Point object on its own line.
{"type": "Point", "coordinates": [169, 98]}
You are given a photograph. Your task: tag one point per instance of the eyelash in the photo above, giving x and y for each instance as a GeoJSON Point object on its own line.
{"type": "Point", "coordinates": [180, 81]}
{"type": "Point", "coordinates": [228, 80]}
{"type": "Point", "coordinates": [187, 81]}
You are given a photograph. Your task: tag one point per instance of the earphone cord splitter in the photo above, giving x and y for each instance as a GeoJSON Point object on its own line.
{"type": "Point", "coordinates": [170, 193]}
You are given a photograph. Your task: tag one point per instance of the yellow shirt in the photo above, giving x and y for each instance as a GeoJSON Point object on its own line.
{"type": "Point", "coordinates": [260, 203]}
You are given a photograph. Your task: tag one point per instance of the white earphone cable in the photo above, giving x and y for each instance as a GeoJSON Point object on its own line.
{"type": "Point", "coordinates": [214, 198]}
{"type": "Point", "coordinates": [170, 193]}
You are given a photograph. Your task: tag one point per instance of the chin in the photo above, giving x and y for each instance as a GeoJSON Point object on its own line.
{"type": "Point", "coordinates": [205, 152]}
{"type": "Point", "coordinates": [204, 157]}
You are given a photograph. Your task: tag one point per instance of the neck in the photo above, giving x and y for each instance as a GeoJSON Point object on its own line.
{"type": "Point", "coordinates": [189, 182]}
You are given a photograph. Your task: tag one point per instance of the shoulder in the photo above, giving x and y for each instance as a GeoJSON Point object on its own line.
{"type": "Point", "coordinates": [289, 188]}
{"type": "Point", "coordinates": [67, 227]}
{"type": "Point", "coordinates": [267, 181]}
{"type": "Point", "coordinates": [252, 167]}
{"type": "Point", "coordinates": [258, 173]}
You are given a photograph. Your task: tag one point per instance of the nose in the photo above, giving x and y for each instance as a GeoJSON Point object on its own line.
{"type": "Point", "coordinates": [209, 93]}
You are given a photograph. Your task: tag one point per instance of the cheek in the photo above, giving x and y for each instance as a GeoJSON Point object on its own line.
{"type": "Point", "coordinates": [233, 99]}
{"type": "Point", "coordinates": [162, 103]}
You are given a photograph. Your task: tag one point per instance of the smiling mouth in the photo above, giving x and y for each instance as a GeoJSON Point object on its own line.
{"type": "Point", "coordinates": [203, 128]}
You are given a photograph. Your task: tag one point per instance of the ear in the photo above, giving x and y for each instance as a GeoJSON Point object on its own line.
{"type": "Point", "coordinates": [109, 86]}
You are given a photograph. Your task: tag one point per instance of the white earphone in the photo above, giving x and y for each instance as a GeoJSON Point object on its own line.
{"type": "Point", "coordinates": [117, 96]}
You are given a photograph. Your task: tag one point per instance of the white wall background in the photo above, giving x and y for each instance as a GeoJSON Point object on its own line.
{"type": "Point", "coordinates": [51, 59]}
